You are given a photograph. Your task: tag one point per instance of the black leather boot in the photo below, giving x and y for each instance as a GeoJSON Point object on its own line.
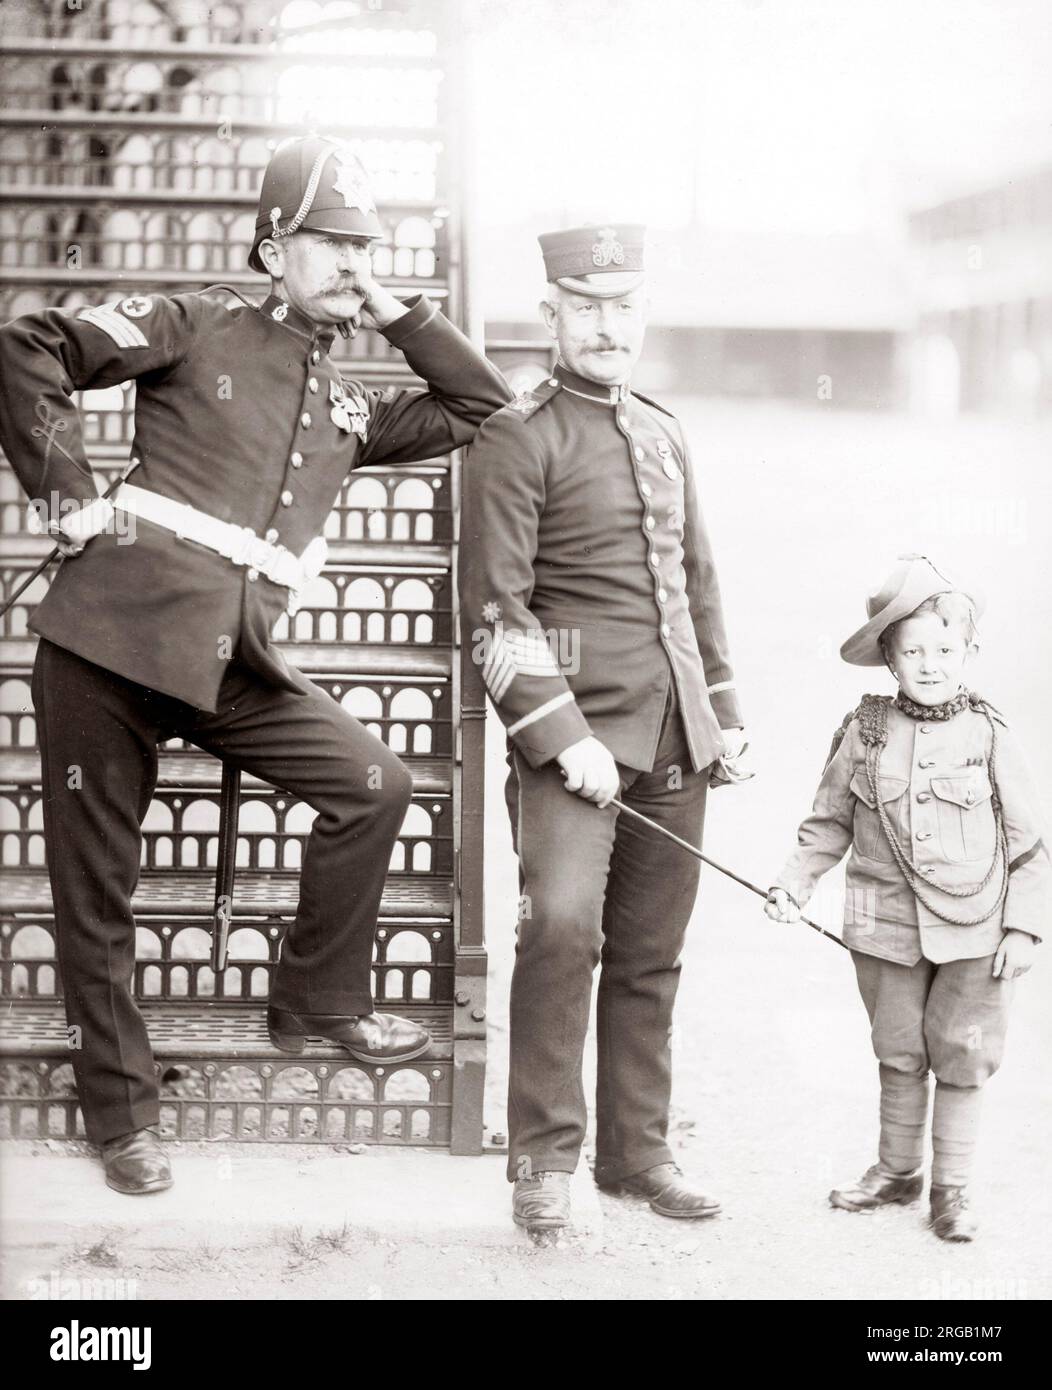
{"type": "Point", "coordinates": [136, 1163]}
{"type": "Point", "coordinates": [668, 1191]}
{"type": "Point", "coordinates": [542, 1203]}
{"type": "Point", "coordinates": [951, 1218]}
{"type": "Point", "coordinates": [369, 1038]}
{"type": "Point", "coordinates": [875, 1188]}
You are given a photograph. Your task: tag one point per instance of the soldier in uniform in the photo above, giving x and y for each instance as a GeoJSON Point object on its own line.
{"type": "Point", "coordinates": [244, 432]}
{"type": "Point", "coordinates": [589, 588]}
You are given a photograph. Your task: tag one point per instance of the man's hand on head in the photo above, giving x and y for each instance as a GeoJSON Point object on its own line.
{"type": "Point", "coordinates": [590, 771]}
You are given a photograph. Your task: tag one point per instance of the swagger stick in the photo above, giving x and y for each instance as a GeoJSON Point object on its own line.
{"type": "Point", "coordinates": [226, 862]}
{"type": "Point", "coordinates": [653, 825]}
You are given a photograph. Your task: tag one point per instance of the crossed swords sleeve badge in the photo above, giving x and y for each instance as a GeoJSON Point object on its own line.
{"type": "Point", "coordinates": [348, 413]}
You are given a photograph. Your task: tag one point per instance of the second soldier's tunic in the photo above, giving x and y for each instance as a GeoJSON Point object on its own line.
{"type": "Point", "coordinates": [589, 594]}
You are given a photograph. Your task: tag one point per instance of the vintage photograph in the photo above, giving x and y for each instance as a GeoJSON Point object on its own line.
{"type": "Point", "coordinates": [526, 603]}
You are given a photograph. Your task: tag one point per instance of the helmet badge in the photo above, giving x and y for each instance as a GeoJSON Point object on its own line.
{"type": "Point", "coordinates": [350, 184]}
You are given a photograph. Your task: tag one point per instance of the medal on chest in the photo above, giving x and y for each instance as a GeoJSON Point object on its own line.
{"type": "Point", "coordinates": [348, 413]}
{"type": "Point", "coordinates": [668, 463]}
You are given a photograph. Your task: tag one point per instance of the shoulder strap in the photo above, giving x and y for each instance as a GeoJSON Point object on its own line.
{"type": "Point", "coordinates": [529, 402]}
{"type": "Point", "coordinates": [216, 290]}
{"type": "Point", "coordinates": [872, 716]}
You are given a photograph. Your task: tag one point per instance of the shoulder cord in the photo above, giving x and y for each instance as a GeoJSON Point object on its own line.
{"type": "Point", "coordinates": [876, 729]}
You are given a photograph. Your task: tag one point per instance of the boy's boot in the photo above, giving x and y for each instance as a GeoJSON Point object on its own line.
{"type": "Point", "coordinates": [896, 1177]}
{"type": "Point", "coordinates": [955, 1126]}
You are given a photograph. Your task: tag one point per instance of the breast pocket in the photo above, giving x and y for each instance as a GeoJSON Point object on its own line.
{"type": "Point", "coordinates": [967, 829]}
{"type": "Point", "coordinates": [870, 840]}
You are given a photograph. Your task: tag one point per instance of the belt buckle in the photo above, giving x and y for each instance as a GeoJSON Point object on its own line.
{"type": "Point", "coordinates": [284, 568]}
{"type": "Point", "coordinates": [258, 552]}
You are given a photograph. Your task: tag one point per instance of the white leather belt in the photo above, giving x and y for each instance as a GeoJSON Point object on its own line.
{"type": "Point", "coordinates": [237, 543]}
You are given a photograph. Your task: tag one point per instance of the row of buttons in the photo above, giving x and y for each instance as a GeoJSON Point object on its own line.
{"type": "Point", "coordinates": [295, 459]}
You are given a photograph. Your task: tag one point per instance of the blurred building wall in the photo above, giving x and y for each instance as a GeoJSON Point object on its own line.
{"type": "Point", "coordinates": [983, 275]}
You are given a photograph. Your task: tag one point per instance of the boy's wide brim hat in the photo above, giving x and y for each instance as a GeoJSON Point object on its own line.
{"type": "Point", "coordinates": [913, 580]}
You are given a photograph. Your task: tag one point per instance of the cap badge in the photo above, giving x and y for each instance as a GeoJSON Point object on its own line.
{"type": "Point", "coordinates": [608, 250]}
{"type": "Point", "coordinates": [279, 313]}
{"type": "Point", "coordinates": [350, 184]}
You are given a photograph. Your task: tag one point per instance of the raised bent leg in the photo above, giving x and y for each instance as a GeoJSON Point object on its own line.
{"type": "Point", "coordinates": [312, 748]}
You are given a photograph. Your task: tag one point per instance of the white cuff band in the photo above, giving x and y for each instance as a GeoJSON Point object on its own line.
{"type": "Point", "coordinates": [540, 712]}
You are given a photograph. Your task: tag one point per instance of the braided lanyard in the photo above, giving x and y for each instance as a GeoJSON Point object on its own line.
{"type": "Point", "coordinates": [873, 724]}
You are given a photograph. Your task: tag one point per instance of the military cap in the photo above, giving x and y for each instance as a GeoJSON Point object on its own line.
{"type": "Point", "coordinates": [600, 260]}
{"type": "Point", "coordinates": [315, 182]}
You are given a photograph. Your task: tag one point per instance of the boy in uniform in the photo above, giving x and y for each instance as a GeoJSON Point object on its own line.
{"type": "Point", "coordinates": [947, 884]}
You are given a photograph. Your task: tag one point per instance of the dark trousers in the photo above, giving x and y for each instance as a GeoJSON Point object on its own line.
{"type": "Point", "coordinates": [98, 736]}
{"type": "Point", "coordinates": [599, 888]}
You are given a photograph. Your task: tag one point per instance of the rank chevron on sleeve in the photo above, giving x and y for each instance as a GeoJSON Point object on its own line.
{"type": "Point", "coordinates": [123, 332]}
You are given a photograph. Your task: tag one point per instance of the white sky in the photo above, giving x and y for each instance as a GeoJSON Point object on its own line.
{"type": "Point", "coordinates": [768, 115]}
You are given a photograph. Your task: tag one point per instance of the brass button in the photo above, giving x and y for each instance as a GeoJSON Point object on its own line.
{"type": "Point", "coordinates": [639, 453]}
{"type": "Point", "coordinates": [553, 381]}
{"type": "Point", "coordinates": [312, 385]}
{"type": "Point", "coordinates": [650, 523]}
{"type": "Point", "coordinates": [286, 498]}
{"type": "Point", "coordinates": [662, 595]}
{"type": "Point", "coordinates": [925, 728]}
{"type": "Point", "coordinates": [924, 796]}
{"type": "Point", "coordinates": [926, 762]}
{"type": "Point", "coordinates": [252, 576]}
{"type": "Point", "coordinates": [272, 535]}
{"type": "Point", "coordinates": [654, 558]}
{"type": "Point", "coordinates": [665, 629]}
{"type": "Point", "coordinates": [645, 489]}
{"type": "Point", "coordinates": [305, 419]}
{"type": "Point", "coordinates": [296, 459]}
{"type": "Point", "coordinates": [923, 834]}
{"type": "Point", "coordinates": [969, 797]}
{"type": "Point", "coordinates": [315, 357]}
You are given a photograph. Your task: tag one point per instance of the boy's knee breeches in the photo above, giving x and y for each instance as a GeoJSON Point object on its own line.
{"type": "Point", "coordinates": [949, 1018]}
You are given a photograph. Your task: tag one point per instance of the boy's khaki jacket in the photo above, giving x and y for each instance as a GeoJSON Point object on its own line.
{"type": "Point", "coordinates": [937, 791]}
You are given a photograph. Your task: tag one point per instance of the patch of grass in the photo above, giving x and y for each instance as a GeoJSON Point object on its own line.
{"type": "Point", "coordinates": [304, 1249]}
{"type": "Point", "coordinates": [102, 1253]}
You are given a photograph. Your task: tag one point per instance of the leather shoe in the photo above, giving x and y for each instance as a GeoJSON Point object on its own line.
{"type": "Point", "coordinates": [368, 1038]}
{"type": "Point", "coordinates": [668, 1191]}
{"type": "Point", "coordinates": [950, 1216]}
{"type": "Point", "coordinates": [542, 1203]}
{"type": "Point", "coordinates": [876, 1188]}
{"type": "Point", "coordinates": [136, 1163]}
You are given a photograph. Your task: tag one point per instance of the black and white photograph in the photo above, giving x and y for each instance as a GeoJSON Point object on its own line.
{"type": "Point", "coordinates": [525, 652]}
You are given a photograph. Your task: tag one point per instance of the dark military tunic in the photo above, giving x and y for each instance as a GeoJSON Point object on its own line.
{"type": "Point", "coordinates": [589, 591]}
{"type": "Point", "coordinates": [581, 521]}
{"type": "Point", "coordinates": [233, 416]}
